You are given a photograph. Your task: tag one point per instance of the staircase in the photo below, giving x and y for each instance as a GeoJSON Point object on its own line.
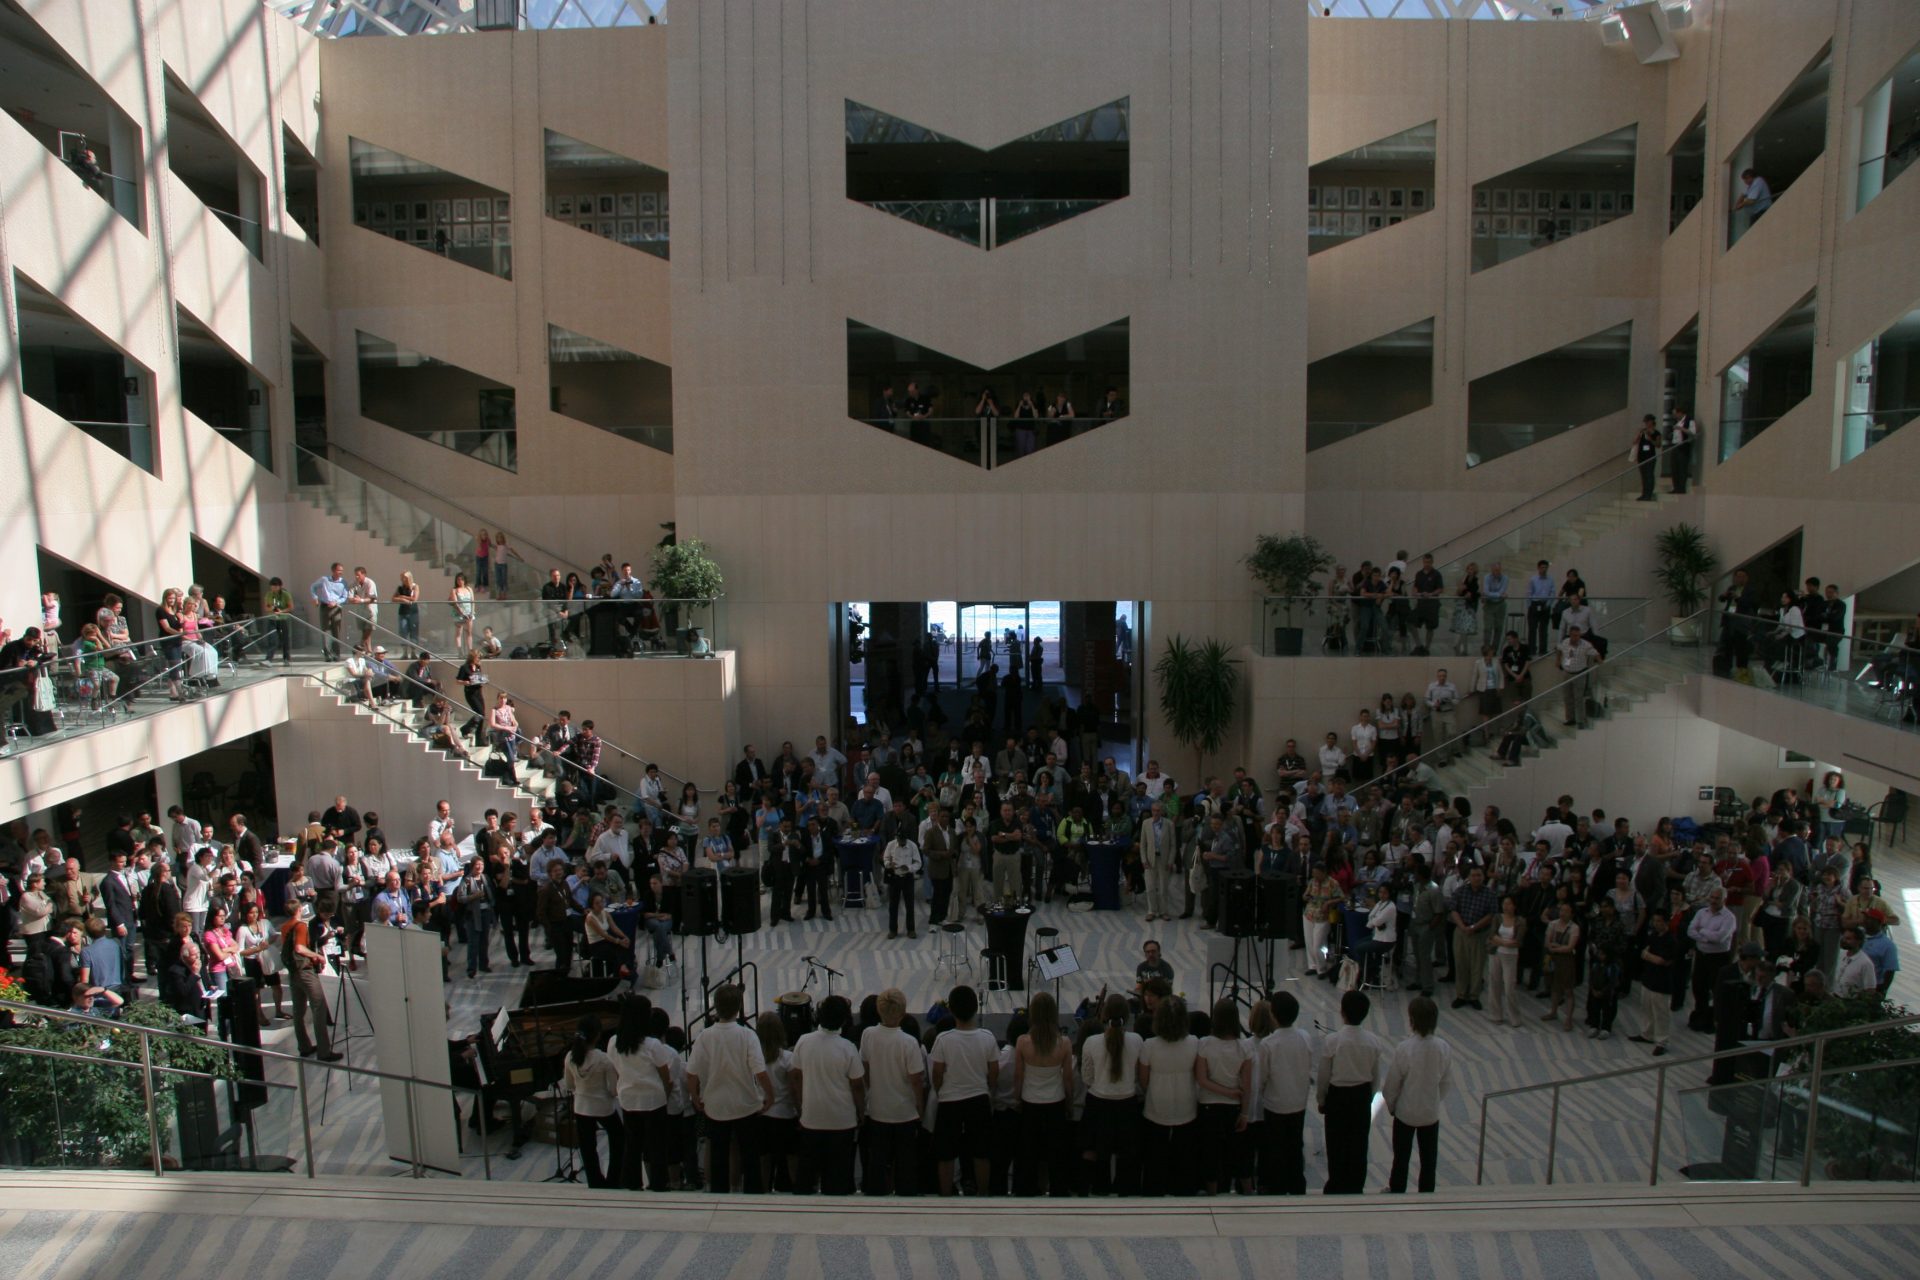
{"type": "Point", "coordinates": [399, 718]}
{"type": "Point", "coordinates": [1630, 676]}
{"type": "Point", "coordinates": [1556, 543]}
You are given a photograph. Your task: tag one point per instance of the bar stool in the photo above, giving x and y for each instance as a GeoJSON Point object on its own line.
{"type": "Point", "coordinates": [951, 949]}
{"type": "Point", "coordinates": [996, 967]}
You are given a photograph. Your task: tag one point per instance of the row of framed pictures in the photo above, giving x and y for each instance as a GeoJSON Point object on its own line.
{"type": "Point", "coordinates": [626, 229]}
{"type": "Point", "coordinates": [1383, 199]}
{"type": "Point", "coordinates": [1529, 200]}
{"type": "Point", "coordinates": [463, 233]}
{"type": "Point", "coordinates": [1486, 226]}
{"type": "Point", "coordinates": [622, 204]}
{"type": "Point", "coordinates": [1350, 222]}
{"type": "Point", "coordinates": [431, 213]}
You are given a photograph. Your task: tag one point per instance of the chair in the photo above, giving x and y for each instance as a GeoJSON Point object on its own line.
{"type": "Point", "coordinates": [1354, 928]}
{"type": "Point", "coordinates": [1892, 814]}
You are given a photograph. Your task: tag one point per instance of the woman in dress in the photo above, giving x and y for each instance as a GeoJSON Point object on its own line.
{"type": "Point", "coordinates": [260, 958]}
{"type": "Point", "coordinates": [1171, 1106]}
{"type": "Point", "coordinates": [1465, 622]}
{"type": "Point", "coordinates": [462, 599]}
{"type": "Point", "coordinates": [503, 732]}
{"type": "Point", "coordinates": [1562, 945]}
{"type": "Point", "coordinates": [1043, 1086]}
{"type": "Point", "coordinates": [1223, 1075]}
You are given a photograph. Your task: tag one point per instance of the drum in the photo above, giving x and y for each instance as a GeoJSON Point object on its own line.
{"type": "Point", "coordinates": [700, 901]}
{"type": "Point", "coordinates": [796, 1014]}
{"type": "Point", "coordinates": [1237, 904]}
{"type": "Point", "coordinates": [1279, 906]}
{"type": "Point", "coordinates": [740, 900]}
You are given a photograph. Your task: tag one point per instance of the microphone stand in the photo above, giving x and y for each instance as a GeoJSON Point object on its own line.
{"type": "Point", "coordinates": [814, 969]}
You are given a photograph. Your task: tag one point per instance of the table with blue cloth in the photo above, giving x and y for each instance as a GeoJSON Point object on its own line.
{"type": "Point", "coordinates": [273, 889]}
{"type": "Point", "coordinates": [1103, 861]}
{"type": "Point", "coordinates": [856, 868]}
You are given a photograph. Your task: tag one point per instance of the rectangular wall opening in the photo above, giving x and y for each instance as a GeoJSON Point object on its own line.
{"type": "Point", "coordinates": [1768, 379]}
{"type": "Point", "coordinates": [64, 110]}
{"type": "Point", "coordinates": [1687, 172]}
{"type": "Point", "coordinates": [1881, 386]}
{"type": "Point", "coordinates": [213, 167]}
{"type": "Point", "coordinates": [301, 173]}
{"type": "Point", "coordinates": [1781, 147]}
{"type": "Point", "coordinates": [1889, 130]}
{"type": "Point", "coordinates": [68, 366]}
{"type": "Point", "coordinates": [1369, 384]}
{"type": "Point", "coordinates": [607, 194]}
{"type": "Point", "coordinates": [416, 203]}
{"type": "Point", "coordinates": [1549, 394]}
{"type": "Point", "coordinates": [1554, 198]}
{"type": "Point", "coordinates": [438, 402]}
{"type": "Point", "coordinates": [604, 386]}
{"type": "Point", "coordinates": [1371, 188]}
{"type": "Point", "coordinates": [224, 392]}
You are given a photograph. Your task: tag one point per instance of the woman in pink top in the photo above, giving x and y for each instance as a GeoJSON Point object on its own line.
{"type": "Point", "coordinates": [223, 951]}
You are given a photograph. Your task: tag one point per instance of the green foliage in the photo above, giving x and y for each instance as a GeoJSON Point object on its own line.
{"type": "Point", "coordinates": [684, 571]}
{"type": "Point", "coordinates": [1686, 563]}
{"type": "Point", "coordinates": [1288, 566]}
{"type": "Point", "coordinates": [69, 1114]}
{"type": "Point", "coordinates": [1868, 1112]}
{"type": "Point", "coordinates": [1197, 687]}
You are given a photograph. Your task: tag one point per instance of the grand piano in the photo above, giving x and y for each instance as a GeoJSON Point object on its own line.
{"type": "Point", "coordinates": [527, 1057]}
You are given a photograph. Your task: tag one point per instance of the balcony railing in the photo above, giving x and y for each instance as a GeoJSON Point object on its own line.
{"type": "Point", "coordinates": [1847, 674]}
{"type": "Point", "coordinates": [131, 440]}
{"type": "Point", "coordinates": [1347, 626]}
{"type": "Point", "coordinates": [246, 230]}
{"type": "Point", "coordinates": [583, 627]}
{"type": "Point", "coordinates": [1737, 433]}
{"type": "Point", "coordinates": [989, 442]}
{"type": "Point", "coordinates": [1859, 432]}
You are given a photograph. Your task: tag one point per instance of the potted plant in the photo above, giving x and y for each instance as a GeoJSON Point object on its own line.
{"type": "Point", "coordinates": [1288, 568]}
{"type": "Point", "coordinates": [1197, 687]}
{"type": "Point", "coordinates": [684, 576]}
{"type": "Point", "coordinates": [1685, 565]}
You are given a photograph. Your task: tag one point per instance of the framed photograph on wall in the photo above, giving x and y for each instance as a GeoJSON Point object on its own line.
{"type": "Point", "coordinates": [1502, 226]}
{"type": "Point", "coordinates": [402, 211]}
{"type": "Point", "coordinates": [1482, 226]}
{"type": "Point", "coordinates": [584, 226]}
{"type": "Point", "coordinates": [1376, 221]}
{"type": "Point", "coordinates": [663, 227]}
{"type": "Point", "coordinates": [650, 203]}
{"type": "Point", "coordinates": [463, 210]}
{"type": "Point", "coordinates": [502, 231]}
{"type": "Point", "coordinates": [1396, 197]}
{"type": "Point", "coordinates": [1523, 200]}
{"type": "Point", "coordinates": [563, 206]}
{"type": "Point", "coordinates": [1542, 201]}
{"type": "Point", "coordinates": [421, 211]}
{"type": "Point", "coordinates": [400, 234]}
{"type": "Point", "coordinates": [1543, 228]}
{"type": "Point", "coordinates": [1376, 198]}
{"type": "Point", "coordinates": [1313, 197]}
{"type": "Point", "coordinates": [1353, 197]}
{"type": "Point", "coordinates": [1394, 219]}
{"type": "Point", "coordinates": [1563, 227]}
{"type": "Point", "coordinates": [1605, 203]}
{"type": "Point", "coordinates": [380, 213]}
{"type": "Point", "coordinates": [422, 235]}
{"type": "Point", "coordinates": [1330, 198]}
{"type": "Point", "coordinates": [648, 228]}
{"type": "Point", "coordinates": [483, 208]}
{"type": "Point", "coordinates": [500, 204]}
{"type": "Point", "coordinates": [1417, 198]}
{"type": "Point", "coordinates": [1565, 203]}
{"type": "Point", "coordinates": [1482, 200]}
{"type": "Point", "coordinates": [1626, 202]}
{"type": "Point", "coordinates": [606, 227]}
{"type": "Point", "coordinates": [442, 211]}
{"type": "Point", "coordinates": [629, 227]}
{"type": "Point", "coordinates": [360, 216]}
{"type": "Point", "coordinates": [462, 233]}
{"type": "Point", "coordinates": [1502, 200]}
{"type": "Point", "coordinates": [1582, 223]}
{"type": "Point", "coordinates": [629, 204]}
{"type": "Point", "coordinates": [483, 233]}
{"type": "Point", "coordinates": [1585, 202]}
{"type": "Point", "coordinates": [663, 202]}
{"type": "Point", "coordinates": [606, 203]}
{"type": "Point", "coordinates": [1350, 223]}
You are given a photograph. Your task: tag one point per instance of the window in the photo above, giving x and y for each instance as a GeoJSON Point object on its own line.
{"type": "Point", "coordinates": [1889, 130]}
{"type": "Point", "coordinates": [71, 369]}
{"type": "Point", "coordinates": [1687, 172]}
{"type": "Point", "coordinates": [1369, 384]}
{"type": "Point", "coordinates": [441, 403]}
{"type": "Point", "coordinates": [1768, 379]}
{"type": "Point", "coordinates": [443, 213]}
{"type": "Point", "coordinates": [1548, 395]}
{"type": "Point", "coordinates": [1881, 386]}
{"type": "Point", "coordinates": [1554, 198]}
{"type": "Point", "coordinates": [213, 167]}
{"type": "Point", "coordinates": [604, 386]}
{"type": "Point", "coordinates": [1788, 139]}
{"type": "Point", "coordinates": [605, 194]}
{"type": "Point", "coordinates": [1370, 188]}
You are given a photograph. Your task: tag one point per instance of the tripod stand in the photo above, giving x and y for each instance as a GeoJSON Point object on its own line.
{"type": "Point", "coordinates": [343, 1024]}
{"type": "Point", "coordinates": [564, 1168]}
{"type": "Point", "coordinates": [814, 969]}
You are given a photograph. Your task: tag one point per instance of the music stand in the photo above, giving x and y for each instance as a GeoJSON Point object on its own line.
{"type": "Point", "coordinates": [564, 1168]}
{"type": "Point", "coordinates": [1054, 964]}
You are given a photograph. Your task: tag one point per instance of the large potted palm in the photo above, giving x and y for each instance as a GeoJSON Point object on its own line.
{"type": "Point", "coordinates": [685, 580]}
{"type": "Point", "coordinates": [1288, 568]}
{"type": "Point", "coordinates": [1685, 566]}
{"type": "Point", "coordinates": [1197, 687]}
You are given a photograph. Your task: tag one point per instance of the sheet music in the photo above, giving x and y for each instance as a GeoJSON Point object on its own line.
{"type": "Point", "coordinates": [498, 1031]}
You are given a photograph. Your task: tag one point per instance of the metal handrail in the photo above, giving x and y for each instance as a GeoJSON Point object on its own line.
{"type": "Point", "coordinates": [1632, 469]}
{"type": "Point", "coordinates": [1818, 1041]}
{"type": "Point", "coordinates": [300, 1064]}
{"type": "Point", "coordinates": [562, 562]}
{"type": "Point", "coordinates": [1454, 745]}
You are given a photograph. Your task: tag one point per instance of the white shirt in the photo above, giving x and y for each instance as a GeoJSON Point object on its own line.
{"type": "Point", "coordinates": [1351, 1056]}
{"type": "Point", "coordinates": [1223, 1059]}
{"type": "Point", "coordinates": [1577, 655]}
{"type": "Point", "coordinates": [1156, 783]}
{"type": "Point", "coordinates": [902, 858]}
{"type": "Point", "coordinates": [640, 1088]}
{"type": "Point", "coordinates": [1712, 931]}
{"type": "Point", "coordinates": [1417, 1078]}
{"type": "Point", "coordinates": [613, 846]}
{"type": "Point", "coordinates": [1364, 737]}
{"type": "Point", "coordinates": [1555, 834]}
{"type": "Point", "coordinates": [1170, 1087]}
{"type": "Point", "coordinates": [1286, 1070]}
{"type": "Point", "coordinates": [1854, 975]}
{"type": "Point", "coordinates": [1331, 758]}
{"type": "Point", "coordinates": [965, 1055]}
{"type": "Point", "coordinates": [1383, 920]}
{"type": "Point", "coordinates": [1093, 1067]}
{"type": "Point", "coordinates": [892, 1058]}
{"type": "Point", "coordinates": [827, 1064]}
{"type": "Point", "coordinates": [1758, 194]}
{"type": "Point", "coordinates": [437, 825]}
{"type": "Point", "coordinates": [594, 1084]}
{"type": "Point", "coordinates": [1442, 695]}
{"type": "Point", "coordinates": [780, 1073]}
{"type": "Point", "coordinates": [974, 766]}
{"type": "Point", "coordinates": [727, 1063]}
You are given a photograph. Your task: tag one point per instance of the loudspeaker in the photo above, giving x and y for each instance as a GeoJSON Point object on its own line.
{"type": "Point", "coordinates": [700, 901]}
{"type": "Point", "coordinates": [1237, 905]}
{"type": "Point", "coordinates": [740, 900]}
{"type": "Point", "coordinates": [1279, 906]}
{"type": "Point", "coordinates": [243, 1015]}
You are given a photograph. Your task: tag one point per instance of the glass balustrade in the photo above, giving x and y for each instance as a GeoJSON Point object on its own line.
{"type": "Point", "coordinates": [131, 440]}
{"type": "Point", "coordinates": [581, 627]}
{"type": "Point", "coordinates": [964, 220]}
{"type": "Point", "coordinates": [1859, 432]}
{"type": "Point", "coordinates": [246, 230]}
{"type": "Point", "coordinates": [1347, 626]}
{"type": "Point", "coordinates": [1846, 674]}
{"type": "Point", "coordinates": [1737, 433]}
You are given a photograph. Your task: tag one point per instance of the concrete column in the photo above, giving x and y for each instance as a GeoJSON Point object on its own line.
{"type": "Point", "coordinates": [123, 146]}
{"type": "Point", "coordinates": [1876, 115]}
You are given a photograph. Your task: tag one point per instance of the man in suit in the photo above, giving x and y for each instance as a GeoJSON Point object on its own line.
{"type": "Point", "coordinates": [121, 905]}
{"type": "Point", "coordinates": [1160, 858]}
{"type": "Point", "coordinates": [750, 772]}
{"type": "Point", "coordinates": [159, 904]}
{"type": "Point", "coordinates": [782, 853]}
{"type": "Point", "coordinates": [246, 845]}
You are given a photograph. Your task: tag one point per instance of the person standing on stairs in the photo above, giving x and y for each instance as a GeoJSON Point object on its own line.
{"type": "Point", "coordinates": [1577, 657]}
{"type": "Point", "coordinates": [504, 734]}
{"type": "Point", "coordinates": [278, 607]}
{"type": "Point", "coordinates": [1644, 452]}
{"type": "Point", "coordinates": [1541, 591]}
{"type": "Point", "coordinates": [1686, 429]}
{"type": "Point", "coordinates": [364, 596]}
{"type": "Point", "coordinates": [329, 593]}
{"type": "Point", "coordinates": [474, 681]}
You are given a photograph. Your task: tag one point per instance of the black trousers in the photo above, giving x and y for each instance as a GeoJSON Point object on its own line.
{"type": "Point", "coordinates": [648, 1140]}
{"type": "Point", "coordinates": [890, 1158]}
{"type": "Point", "coordinates": [900, 888]}
{"type": "Point", "coordinates": [1166, 1159]}
{"type": "Point", "coordinates": [1649, 470]}
{"type": "Point", "coordinates": [1349, 1122]}
{"type": "Point", "coordinates": [1045, 1144]}
{"type": "Point", "coordinates": [1403, 1139]}
{"type": "Point", "coordinates": [826, 1160]}
{"type": "Point", "coordinates": [942, 894]}
{"type": "Point", "coordinates": [1706, 975]}
{"type": "Point", "coordinates": [1283, 1164]}
{"type": "Point", "coordinates": [1539, 622]}
{"type": "Point", "coordinates": [721, 1135]}
{"type": "Point", "coordinates": [781, 882]}
{"type": "Point", "coordinates": [560, 940]}
{"type": "Point", "coordinates": [818, 880]}
{"type": "Point", "coordinates": [587, 1130]}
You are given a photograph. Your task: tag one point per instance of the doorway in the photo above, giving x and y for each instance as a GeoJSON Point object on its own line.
{"type": "Point", "coordinates": [896, 661]}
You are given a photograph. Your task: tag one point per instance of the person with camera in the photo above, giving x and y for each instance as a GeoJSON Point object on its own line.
{"type": "Point", "coordinates": [303, 942]}
{"type": "Point", "coordinates": [901, 863]}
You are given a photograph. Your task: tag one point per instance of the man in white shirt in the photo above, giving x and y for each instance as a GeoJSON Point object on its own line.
{"type": "Point", "coordinates": [1576, 657]}
{"type": "Point", "coordinates": [896, 1070]}
{"type": "Point", "coordinates": [1417, 1079]}
{"type": "Point", "coordinates": [826, 762]}
{"type": "Point", "coordinates": [1332, 758]}
{"type": "Point", "coordinates": [1855, 971]}
{"type": "Point", "coordinates": [1156, 781]}
{"type": "Point", "coordinates": [1366, 739]}
{"type": "Point", "coordinates": [364, 595]}
{"type": "Point", "coordinates": [442, 820]}
{"type": "Point", "coordinates": [1755, 196]}
{"type": "Point", "coordinates": [727, 1082]}
{"type": "Point", "coordinates": [901, 863]}
{"type": "Point", "coordinates": [1554, 831]}
{"type": "Point", "coordinates": [1443, 696]}
{"type": "Point", "coordinates": [1711, 930]}
{"type": "Point", "coordinates": [1286, 1078]}
{"type": "Point", "coordinates": [828, 1084]}
{"type": "Point", "coordinates": [966, 1066]}
{"type": "Point", "coordinates": [614, 844]}
{"type": "Point", "coordinates": [1351, 1063]}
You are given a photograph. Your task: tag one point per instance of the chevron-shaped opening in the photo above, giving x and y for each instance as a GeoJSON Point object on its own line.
{"type": "Point", "coordinates": [989, 417]}
{"type": "Point", "coordinates": [1371, 188]}
{"type": "Point", "coordinates": [987, 197]}
{"type": "Point", "coordinates": [430, 208]}
{"type": "Point", "coordinates": [1554, 198]}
